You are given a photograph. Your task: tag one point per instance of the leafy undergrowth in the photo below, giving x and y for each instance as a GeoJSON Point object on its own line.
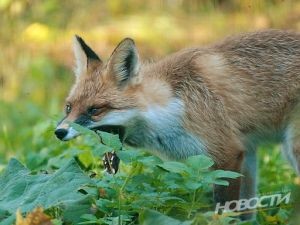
{"type": "Point", "coordinates": [56, 192]}
{"type": "Point", "coordinates": [73, 188]}
{"type": "Point", "coordinates": [66, 184]}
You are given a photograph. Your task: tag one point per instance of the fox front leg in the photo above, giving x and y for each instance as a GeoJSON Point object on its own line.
{"type": "Point", "coordinates": [223, 194]}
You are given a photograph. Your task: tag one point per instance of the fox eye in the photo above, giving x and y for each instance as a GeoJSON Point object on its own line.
{"type": "Point", "coordinates": [93, 111]}
{"type": "Point", "coordinates": [68, 108]}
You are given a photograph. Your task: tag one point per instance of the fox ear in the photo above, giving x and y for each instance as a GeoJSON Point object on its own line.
{"type": "Point", "coordinates": [124, 62]}
{"type": "Point", "coordinates": [84, 55]}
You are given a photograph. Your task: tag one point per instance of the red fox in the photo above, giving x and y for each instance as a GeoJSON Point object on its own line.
{"type": "Point", "coordinates": [221, 100]}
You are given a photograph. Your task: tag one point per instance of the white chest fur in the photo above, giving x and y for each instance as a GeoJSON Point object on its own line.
{"type": "Point", "coordinates": [159, 129]}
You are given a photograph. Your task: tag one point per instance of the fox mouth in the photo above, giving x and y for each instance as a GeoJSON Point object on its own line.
{"type": "Point", "coordinates": [113, 129]}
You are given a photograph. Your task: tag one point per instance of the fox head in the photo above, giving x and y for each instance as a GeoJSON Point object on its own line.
{"type": "Point", "coordinates": [138, 101]}
{"type": "Point", "coordinates": [103, 94]}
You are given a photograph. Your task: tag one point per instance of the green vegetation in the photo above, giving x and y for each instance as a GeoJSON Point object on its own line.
{"type": "Point", "coordinates": [35, 75]}
{"type": "Point", "coordinates": [144, 182]}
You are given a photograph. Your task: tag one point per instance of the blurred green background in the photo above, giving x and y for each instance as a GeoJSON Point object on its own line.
{"type": "Point", "coordinates": [36, 61]}
{"type": "Point", "coordinates": [36, 57]}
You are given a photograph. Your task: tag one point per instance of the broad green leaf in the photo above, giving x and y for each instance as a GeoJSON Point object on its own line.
{"type": "Point", "coordinates": [221, 182]}
{"type": "Point", "coordinates": [199, 162]}
{"type": "Point", "coordinates": [193, 185]}
{"type": "Point", "coordinates": [111, 140]}
{"type": "Point", "coordinates": [128, 156]}
{"type": "Point", "coordinates": [172, 183]}
{"type": "Point", "coordinates": [99, 150]}
{"type": "Point", "coordinates": [91, 219]}
{"type": "Point", "coordinates": [219, 177]}
{"type": "Point", "coordinates": [22, 190]}
{"type": "Point", "coordinates": [150, 217]}
{"type": "Point", "coordinates": [150, 161]}
{"type": "Point", "coordinates": [225, 174]}
{"type": "Point", "coordinates": [83, 130]}
{"type": "Point", "coordinates": [104, 205]}
{"type": "Point", "coordinates": [175, 167]}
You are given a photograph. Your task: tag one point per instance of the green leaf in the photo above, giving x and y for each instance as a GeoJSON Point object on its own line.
{"type": "Point", "coordinates": [150, 161]}
{"type": "Point", "coordinates": [201, 162]}
{"type": "Point", "coordinates": [91, 221]}
{"type": "Point", "coordinates": [225, 174]}
{"type": "Point", "coordinates": [22, 190]}
{"type": "Point", "coordinates": [129, 156]}
{"type": "Point", "coordinates": [150, 217]}
{"type": "Point", "coordinates": [219, 177]}
{"type": "Point", "coordinates": [100, 150]}
{"type": "Point", "coordinates": [104, 205]}
{"type": "Point", "coordinates": [175, 167]}
{"type": "Point", "coordinates": [83, 130]}
{"type": "Point", "coordinates": [193, 185]}
{"type": "Point", "coordinates": [221, 182]}
{"type": "Point", "coordinates": [111, 140]}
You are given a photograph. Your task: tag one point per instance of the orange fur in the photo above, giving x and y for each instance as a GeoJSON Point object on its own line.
{"type": "Point", "coordinates": [232, 96]}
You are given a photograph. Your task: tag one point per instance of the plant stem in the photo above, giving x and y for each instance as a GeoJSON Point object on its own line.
{"type": "Point", "coordinates": [192, 204]}
{"type": "Point", "coordinates": [133, 170]}
{"type": "Point", "coordinates": [119, 208]}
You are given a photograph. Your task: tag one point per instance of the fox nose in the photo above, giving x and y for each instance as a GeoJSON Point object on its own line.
{"type": "Point", "coordinates": [61, 133]}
